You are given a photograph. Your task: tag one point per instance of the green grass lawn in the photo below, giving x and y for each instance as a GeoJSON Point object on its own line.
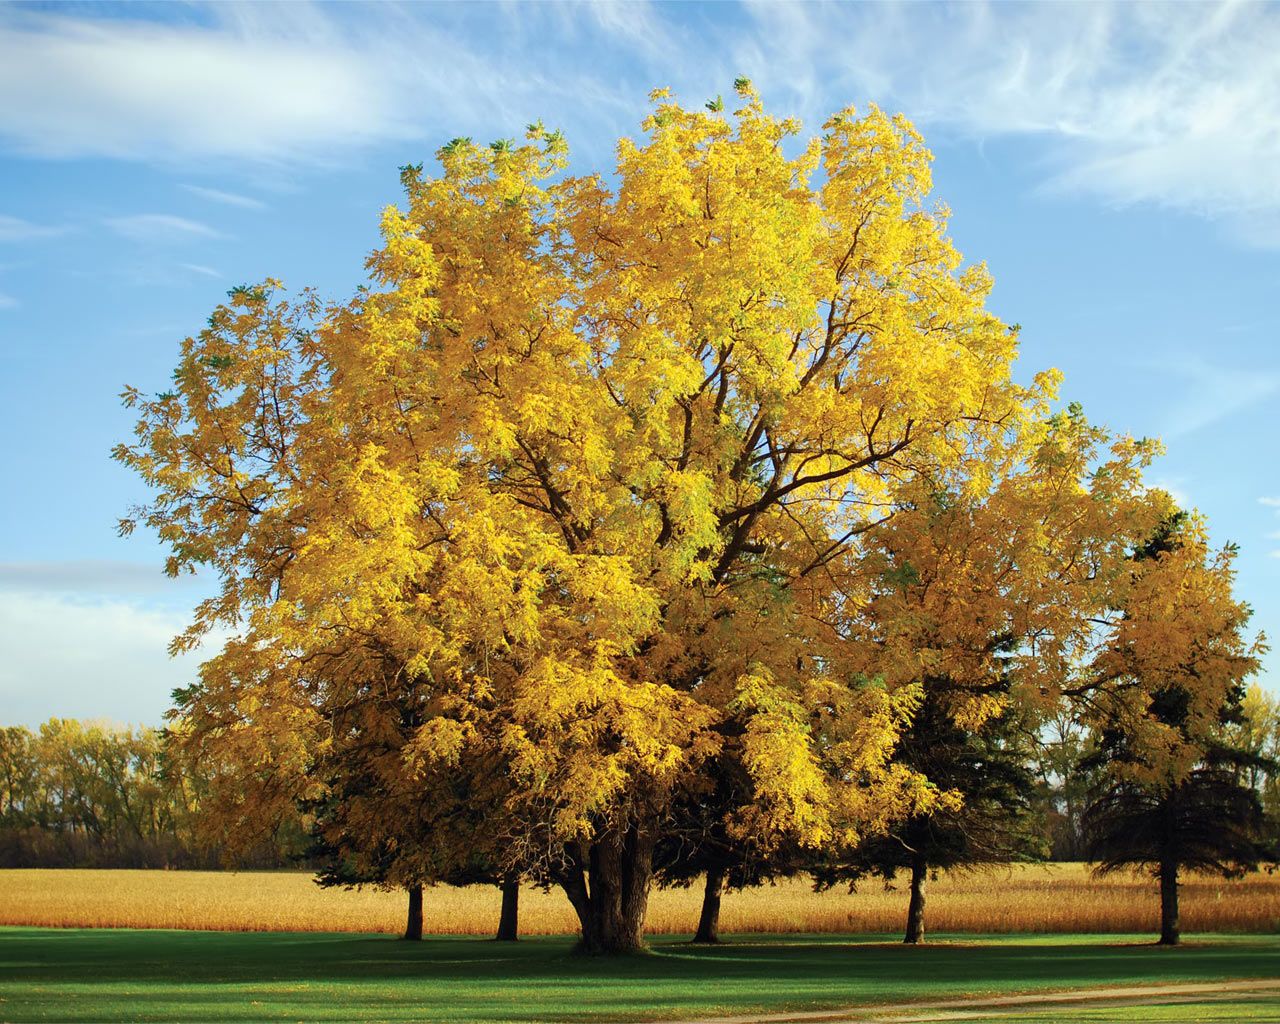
{"type": "Point", "coordinates": [109, 975]}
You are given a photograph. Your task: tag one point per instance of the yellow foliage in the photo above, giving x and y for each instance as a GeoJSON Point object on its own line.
{"type": "Point", "coordinates": [1177, 630]}
{"type": "Point", "coordinates": [591, 486]}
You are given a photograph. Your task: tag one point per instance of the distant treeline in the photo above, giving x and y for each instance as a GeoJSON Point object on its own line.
{"type": "Point", "coordinates": [91, 794]}
{"type": "Point", "coordinates": [88, 794]}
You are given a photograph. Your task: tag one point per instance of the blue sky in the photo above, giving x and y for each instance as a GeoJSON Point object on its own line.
{"type": "Point", "coordinates": [1114, 165]}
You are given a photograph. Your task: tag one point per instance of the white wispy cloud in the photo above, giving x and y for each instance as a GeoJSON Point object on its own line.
{"type": "Point", "coordinates": [640, 24]}
{"type": "Point", "coordinates": [15, 229]}
{"type": "Point", "coordinates": [1199, 392]}
{"type": "Point", "coordinates": [269, 84]}
{"type": "Point", "coordinates": [8, 301]}
{"type": "Point", "coordinates": [89, 637]}
{"type": "Point", "coordinates": [87, 659]}
{"type": "Point", "coordinates": [1165, 103]}
{"type": "Point", "coordinates": [1172, 104]}
{"type": "Point", "coordinates": [135, 89]}
{"type": "Point", "coordinates": [217, 195]}
{"type": "Point", "coordinates": [113, 578]}
{"type": "Point", "coordinates": [1175, 487]}
{"type": "Point", "coordinates": [1272, 502]}
{"type": "Point", "coordinates": [200, 268]}
{"type": "Point", "coordinates": [160, 227]}
{"type": "Point", "coordinates": [1211, 392]}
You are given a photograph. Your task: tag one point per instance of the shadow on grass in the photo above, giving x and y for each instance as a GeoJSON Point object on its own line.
{"type": "Point", "coordinates": [157, 975]}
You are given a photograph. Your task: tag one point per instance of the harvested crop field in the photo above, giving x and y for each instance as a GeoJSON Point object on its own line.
{"type": "Point", "coordinates": [1023, 898]}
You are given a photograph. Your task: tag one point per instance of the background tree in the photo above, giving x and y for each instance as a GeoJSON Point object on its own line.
{"type": "Point", "coordinates": [1207, 821]}
{"type": "Point", "coordinates": [701, 843]}
{"type": "Point", "coordinates": [1066, 777]}
{"type": "Point", "coordinates": [381, 822]}
{"type": "Point", "coordinates": [89, 794]}
{"type": "Point", "coordinates": [369, 827]}
{"type": "Point", "coordinates": [993, 822]}
{"type": "Point", "coordinates": [979, 591]}
{"type": "Point", "coordinates": [1257, 733]}
{"type": "Point", "coordinates": [244, 769]}
{"type": "Point", "coordinates": [1173, 677]}
{"type": "Point", "coordinates": [18, 769]}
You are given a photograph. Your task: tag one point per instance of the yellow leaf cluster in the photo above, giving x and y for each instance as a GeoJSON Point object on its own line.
{"type": "Point", "coordinates": [602, 480]}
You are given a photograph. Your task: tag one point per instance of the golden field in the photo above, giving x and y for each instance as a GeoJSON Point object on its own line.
{"type": "Point", "coordinates": [1023, 898]}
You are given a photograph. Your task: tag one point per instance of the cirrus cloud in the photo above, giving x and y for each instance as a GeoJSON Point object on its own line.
{"type": "Point", "coordinates": [78, 658]}
{"type": "Point", "coordinates": [1171, 104]}
{"type": "Point", "coordinates": [160, 227]}
{"type": "Point", "coordinates": [15, 229]}
{"type": "Point", "coordinates": [137, 89]}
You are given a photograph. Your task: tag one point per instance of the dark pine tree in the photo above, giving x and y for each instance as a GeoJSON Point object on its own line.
{"type": "Point", "coordinates": [1210, 821]}
{"type": "Point", "coordinates": [997, 822]}
{"type": "Point", "coordinates": [699, 842]}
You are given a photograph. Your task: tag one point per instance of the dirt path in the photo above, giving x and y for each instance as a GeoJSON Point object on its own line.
{"type": "Point", "coordinates": [1002, 1006]}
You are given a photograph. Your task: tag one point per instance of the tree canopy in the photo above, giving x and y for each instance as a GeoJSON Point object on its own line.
{"type": "Point", "coordinates": [613, 484]}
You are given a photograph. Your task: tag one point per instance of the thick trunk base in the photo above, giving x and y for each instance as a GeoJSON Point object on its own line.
{"type": "Point", "coordinates": [509, 921]}
{"type": "Point", "coordinates": [609, 890]}
{"type": "Point", "coordinates": [610, 945]}
{"type": "Point", "coordinates": [413, 926]}
{"type": "Point", "coordinates": [709, 920]}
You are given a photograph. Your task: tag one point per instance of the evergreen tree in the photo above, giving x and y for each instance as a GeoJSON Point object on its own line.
{"type": "Point", "coordinates": [1174, 795]}
{"type": "Point", "coordinates": [993, 822]}
{"type": "Point", "coordinates": [1209, 821]}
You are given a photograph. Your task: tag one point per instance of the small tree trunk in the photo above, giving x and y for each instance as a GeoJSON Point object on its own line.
{"type": "Point", "coordinates": [509, 921]}
{"type": "Point", "coordinates": [413, 927]}
{"type": "Point", "coordinates": [915, 909]}
{"type": "Point", "coordinates": [1169, 933]}
{"type": "Point", "coordinates": [709, 922]}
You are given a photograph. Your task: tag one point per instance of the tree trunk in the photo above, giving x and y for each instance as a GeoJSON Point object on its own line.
{"type": "Point", "coordinates": [915, 910]}
{"type": "Point", "coordinates": [413, 927]}
{"type": "Point", "coordinates": [1169, 934]}
{"type": "Point", "coordinates": [610, 892]}
{"type": "Point", "coordinates": [509, 921]}
{"type": "Point", "coordinates": [709, 922]}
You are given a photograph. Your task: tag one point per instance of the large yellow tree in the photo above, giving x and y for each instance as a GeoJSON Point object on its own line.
{"type": "Point", "coordinates": [556, 467]}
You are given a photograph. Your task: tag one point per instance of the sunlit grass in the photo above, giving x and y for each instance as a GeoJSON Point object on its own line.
{"type": "Point", "coordinates": [121, 975]}
{"type": "Point", "coordinates": [1024, 898]}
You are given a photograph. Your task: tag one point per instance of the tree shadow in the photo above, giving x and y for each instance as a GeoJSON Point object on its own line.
{"type": "Point", "coordinates": [157, 975]}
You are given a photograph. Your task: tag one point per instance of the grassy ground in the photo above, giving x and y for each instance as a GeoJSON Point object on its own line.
{"type": "Point", "coordinates": [1023, 898]}
{"type": "Point", "coordinates": [69, 975]}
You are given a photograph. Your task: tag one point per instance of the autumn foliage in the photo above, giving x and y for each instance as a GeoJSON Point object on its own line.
{"type": "Point", "coordinates": [606, 486]}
